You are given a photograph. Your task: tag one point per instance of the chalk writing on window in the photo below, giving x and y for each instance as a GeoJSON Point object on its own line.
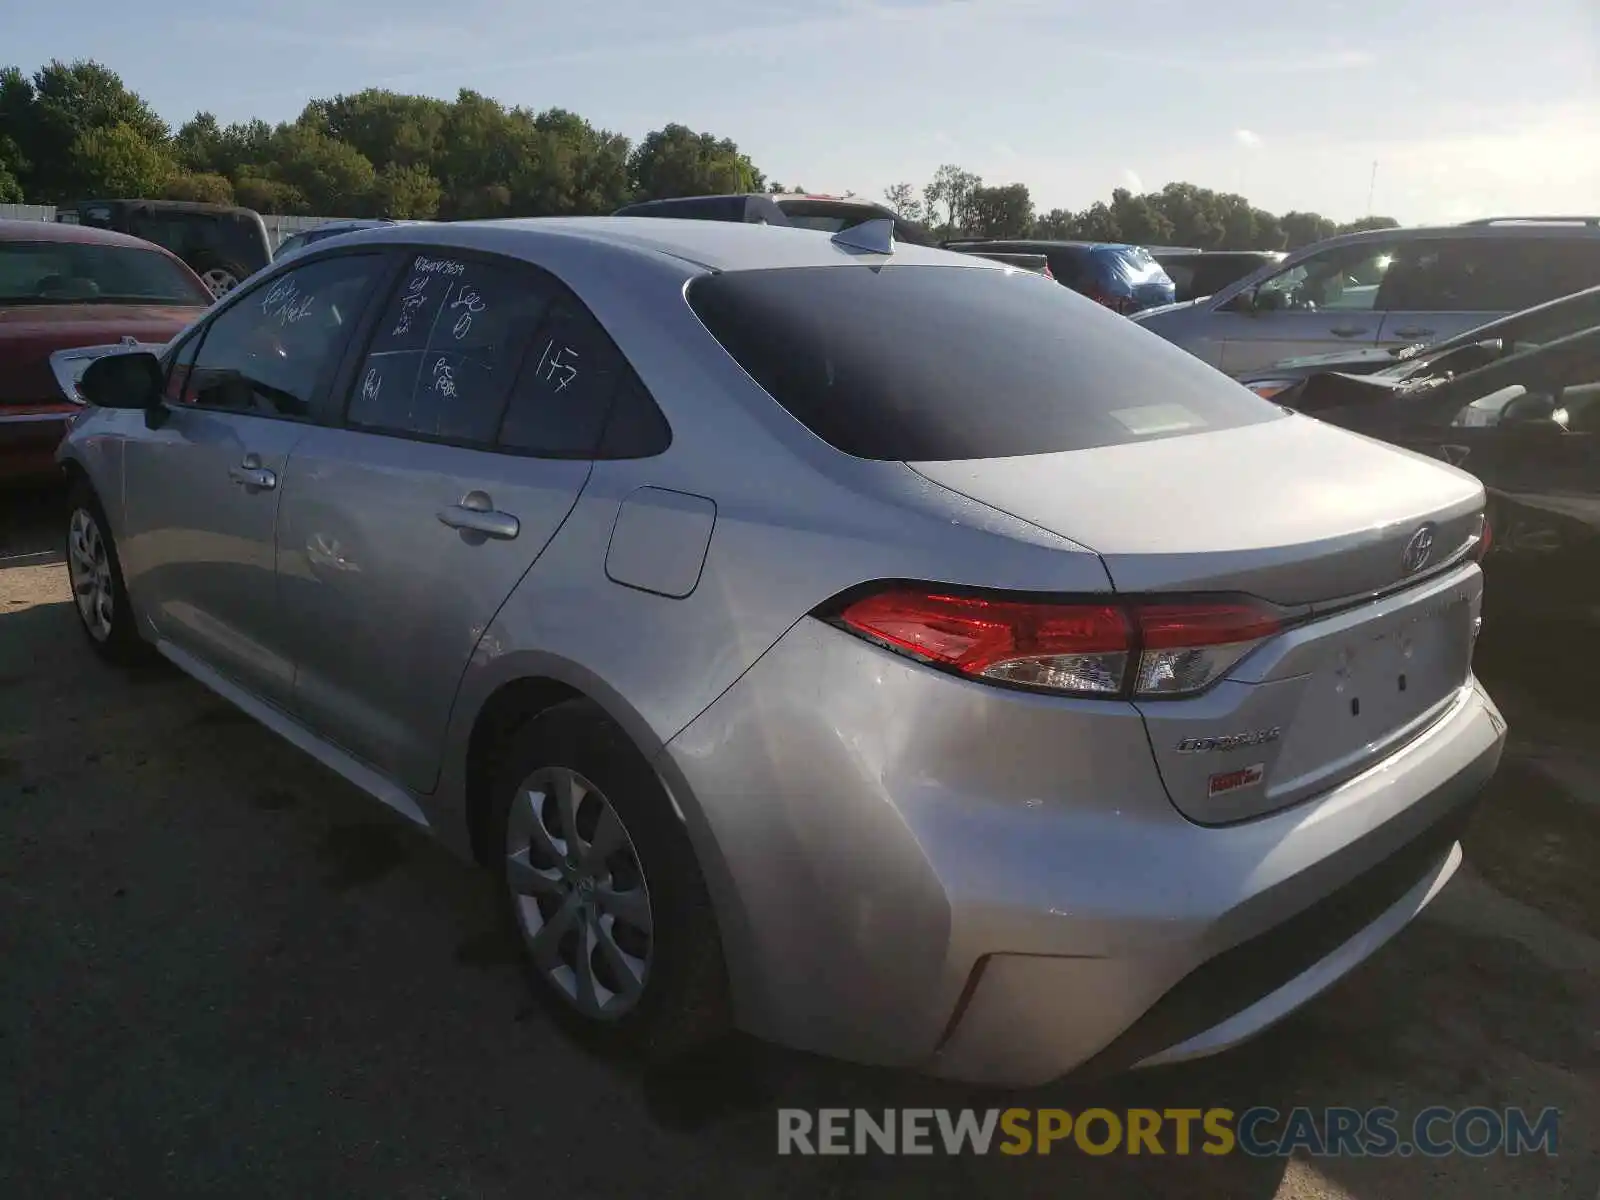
{"type": "Point", "coordinates": [557, 365]}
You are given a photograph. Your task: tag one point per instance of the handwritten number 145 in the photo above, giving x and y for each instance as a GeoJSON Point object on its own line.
{"type": "Point", "coordinates": [558, 365]}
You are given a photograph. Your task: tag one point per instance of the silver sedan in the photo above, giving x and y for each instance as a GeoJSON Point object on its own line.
{"type": "Point", "coordinates": [890, 653]}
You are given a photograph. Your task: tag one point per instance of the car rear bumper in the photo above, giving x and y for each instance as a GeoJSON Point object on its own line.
{"type": "Point", "coordinates": [28, 441]}
{"type": "Point", "coordinates": [992, 885]}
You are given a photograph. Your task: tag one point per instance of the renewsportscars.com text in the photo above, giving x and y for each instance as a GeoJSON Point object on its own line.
{"type": "Point", "coordinates": [1258, 1132]}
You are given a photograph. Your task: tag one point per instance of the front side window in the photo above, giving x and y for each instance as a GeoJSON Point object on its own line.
{"type": "Point", "coordinates": [937, 363]}
{"type": "Point", "coordinates": [1343, 279]}
{"type": "Point", "coordinates": [268, 353]}
{"type": "Point", "coordinates": [90, 273]}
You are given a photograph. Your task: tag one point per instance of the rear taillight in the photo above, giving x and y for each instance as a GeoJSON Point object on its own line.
{"type": "Point", "coordinates": [1145, 649]}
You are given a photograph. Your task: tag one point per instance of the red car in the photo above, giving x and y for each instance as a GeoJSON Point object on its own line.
{"type": "Point", "coordinates": [63, 286]}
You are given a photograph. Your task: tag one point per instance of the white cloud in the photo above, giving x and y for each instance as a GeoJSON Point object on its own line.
{"type": "Point", "coordinates": [1131, 178]}
{"type": "Point", "coordinates": [1247, 138]}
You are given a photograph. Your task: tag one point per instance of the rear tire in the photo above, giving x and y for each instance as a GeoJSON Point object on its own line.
{"type": "Point", "coordinates": [99, 595]}
{"type": "Point", "coordinates": [600, 885]}
{"type": "Point", "coordinates": [218, 274]}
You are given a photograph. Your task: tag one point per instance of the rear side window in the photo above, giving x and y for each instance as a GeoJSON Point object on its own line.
{"type": "Point", "coordinates": [447, 348]}
{"type": "Point", "coordinates": [938, 363]}
{"type": "Point", "coordinates": [501, 356]}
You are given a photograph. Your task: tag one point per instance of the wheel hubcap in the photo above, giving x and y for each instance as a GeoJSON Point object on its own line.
{"type": "Point", "coordinates": [219, 281]}
{"type": "Point", "coordinates": [579, 893]}
{"type": "Point", "coordinates": [89, 567]}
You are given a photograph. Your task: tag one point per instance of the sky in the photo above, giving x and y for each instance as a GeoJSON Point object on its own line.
{"type": "Point", "coordinates": [1468, 108]}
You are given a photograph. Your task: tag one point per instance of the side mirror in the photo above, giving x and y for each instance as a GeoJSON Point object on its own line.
{"type": "Point", "coordinates": [1244, 302]}
{"type": "Point", "coordinates": [131, 380]}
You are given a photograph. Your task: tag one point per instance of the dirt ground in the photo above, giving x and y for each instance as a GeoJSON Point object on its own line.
{"type": "Point", "coordinates": [225, 972]}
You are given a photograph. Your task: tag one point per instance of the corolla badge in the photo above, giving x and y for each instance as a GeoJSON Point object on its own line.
{"type": "Point", "coordinates": [1418, 550]}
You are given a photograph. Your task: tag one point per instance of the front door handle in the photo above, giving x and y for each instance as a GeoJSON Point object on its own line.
{"type": "Point", "coordinates": [477, 514]}
{"type": "Point", "coordinates": [1413, 331]}
{"type": "Point", "coordinates": [1348, 331]}
{"type": "Point", "coordinates": [251, 474]}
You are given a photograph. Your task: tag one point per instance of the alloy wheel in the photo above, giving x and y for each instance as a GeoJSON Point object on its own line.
{"type": "Point", "coordinates": [220, 281]}
{"type": "Point", "coordinates": [579, 893]}
{"type": "Point", "coordinates": [89, 567]}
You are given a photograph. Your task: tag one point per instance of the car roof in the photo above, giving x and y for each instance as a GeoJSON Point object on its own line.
{"type": "Point", "coordinates": [713, 245]}
{"type": "Point", "coordinates": [174, 206]}
{"type": "Point", "coordinates": [54, 231]}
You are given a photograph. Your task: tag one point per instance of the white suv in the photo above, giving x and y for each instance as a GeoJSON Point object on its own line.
{"type": "Point", "coordinates": [1386, 288]}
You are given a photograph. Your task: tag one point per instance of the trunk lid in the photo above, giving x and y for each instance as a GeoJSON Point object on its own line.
{"type": "Point", "coordinates": [1292, 511]}
{"type": "Point", "coordinates": [1321, 522]}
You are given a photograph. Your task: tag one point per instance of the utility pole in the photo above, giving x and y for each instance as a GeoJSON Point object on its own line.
{"type": "Point", "coordinates": [1372, 186]}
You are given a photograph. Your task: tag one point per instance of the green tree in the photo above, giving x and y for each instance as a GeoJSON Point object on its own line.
{"type": "Point", "coordinates": [1304, 228]}
{"type": "Point", "coordinates": [1003, 211]}
{"type": "Point", "coordinates": [1058, 225]}
{"type": "Point", "coordinates": [1097, 223]}
{"type": "Point", "coordinates": [269, 195]}
{"type": "Point", "coordinates": [387, 127]}
{"type": "Point", "coordinates": [334, 177]}
{"type": "Point", "coordinates": [947, 200]}
{"type": "Point", "coordinates": [902, 198]}
{"type": "Point", "coordinates": [406, 193]}
{"type": "Point", "coordinates": [66, 103]}
{"type": "Point", "coordinates": [199, 186]}
{"type": "Point", "coordinates": [676, 161]}
{"type": "Point", "coordinates": [1362, 224]}
{"type": "Point", "coordinates": [12, 169]}
{"type": "Point", "coordinates": [117, 160]}
{"type": "Point", "coordinates": [1139, 219]}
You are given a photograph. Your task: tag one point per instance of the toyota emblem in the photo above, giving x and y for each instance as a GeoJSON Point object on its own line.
{"type": "Point", "coordinates": [1418, 550]}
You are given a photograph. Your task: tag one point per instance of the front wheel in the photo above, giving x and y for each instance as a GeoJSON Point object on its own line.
{"type": "Point", "coordinates": [602, 887]}
{"type": "Point", "coordinates": [95, 573]}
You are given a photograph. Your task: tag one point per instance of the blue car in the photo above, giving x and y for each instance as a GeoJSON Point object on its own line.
{"type": "Point", "coordinates": [1126, 279]}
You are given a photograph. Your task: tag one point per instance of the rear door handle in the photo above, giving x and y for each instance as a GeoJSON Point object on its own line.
{"type": "Point", "coordinates": [477, 514]}
{"type": "Point", "coordinates": [1413, 331]}
{"type": "Point", "coordinates": [1348, 331]}
{"type": "Point", "coordinates": [251, 474]}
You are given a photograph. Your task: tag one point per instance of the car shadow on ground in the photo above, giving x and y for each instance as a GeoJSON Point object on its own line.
{"type": "Point", "coordinates": [228, 970]}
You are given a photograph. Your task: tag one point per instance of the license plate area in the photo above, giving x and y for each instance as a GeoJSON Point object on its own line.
{"type": "Point", "coordinates": [1373, 684]}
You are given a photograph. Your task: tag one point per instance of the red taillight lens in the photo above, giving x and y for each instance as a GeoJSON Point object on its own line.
{"type": "Point", "coordinates": [1063, 647]}
{"type": "Point", "coordinates": [1176, 648]}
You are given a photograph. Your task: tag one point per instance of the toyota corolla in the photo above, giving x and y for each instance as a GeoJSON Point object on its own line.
{"type": "Point", "coordinates": [885, 651]}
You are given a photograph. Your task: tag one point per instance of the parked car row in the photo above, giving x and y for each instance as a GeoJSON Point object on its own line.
{"type": "Point", "coordinates": [64, 287]}
{"type": "Point", "coordinates": [1385, 289]}
{"type": "Point", "coordinates": [886, 651]}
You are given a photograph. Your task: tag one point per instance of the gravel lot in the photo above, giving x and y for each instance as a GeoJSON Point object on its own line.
{"type": "Point", "coordinates": [225, 972]}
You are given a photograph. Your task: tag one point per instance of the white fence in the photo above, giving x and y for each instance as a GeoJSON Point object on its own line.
{"type": "Point", "coordinates": [278, 228]}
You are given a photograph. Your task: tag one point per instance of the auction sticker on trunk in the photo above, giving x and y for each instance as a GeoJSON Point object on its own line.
{"type": "Point", "coordinates": [1232, 781]}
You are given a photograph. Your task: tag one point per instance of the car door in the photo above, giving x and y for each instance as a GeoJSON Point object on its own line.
{"type": "Point", "coordinates": [202, 479]}
{"type": "Point", "coordinates": [472, 418]}
{"type": "Point", "coordinates": [1325, 301]}
{"type": "Point", "coordinates": [1440, 287]}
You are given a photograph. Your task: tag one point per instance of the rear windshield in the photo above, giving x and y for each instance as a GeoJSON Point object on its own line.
{"type": "Point", "coordinates": [86, 273]}
{"type": "Point", "coordinates": [937, 363]}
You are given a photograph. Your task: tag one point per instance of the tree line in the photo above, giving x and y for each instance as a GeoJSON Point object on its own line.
{"type": "Point", "coordinates": [958, 203]}
{"type": "Point", "coordinates": [75, 131]}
